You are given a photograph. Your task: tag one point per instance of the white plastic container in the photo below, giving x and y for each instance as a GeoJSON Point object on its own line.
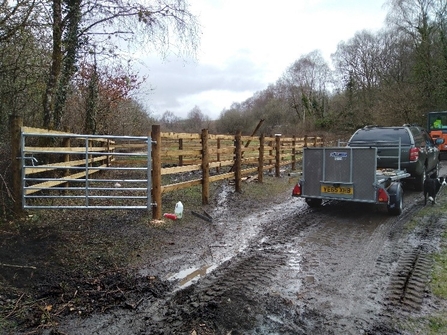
{"type": "Point", "coordinates": [179, 210]}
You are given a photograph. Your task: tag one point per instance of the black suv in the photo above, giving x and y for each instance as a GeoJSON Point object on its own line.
{"type": "Point", "coordinates": [419, 154]}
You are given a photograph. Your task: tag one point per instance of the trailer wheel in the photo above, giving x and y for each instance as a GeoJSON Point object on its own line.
{"type": "Point", "coordinates": [312, 202]}
{"type": "Point", "coordinates": [396, 203]}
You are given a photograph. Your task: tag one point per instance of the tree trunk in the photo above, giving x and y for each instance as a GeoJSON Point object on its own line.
{"type": "Point", "coordinates": [55, 69]}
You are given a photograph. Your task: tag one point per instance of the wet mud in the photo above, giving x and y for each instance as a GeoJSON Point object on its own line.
{"type": "Point", "coordinates": [277, 267]}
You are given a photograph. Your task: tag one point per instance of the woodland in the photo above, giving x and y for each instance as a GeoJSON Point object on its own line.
{"type": "Point", "coordinates": [64, 65]}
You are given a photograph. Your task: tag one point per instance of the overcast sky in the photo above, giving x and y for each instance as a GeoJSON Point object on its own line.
{"type": "Point", "coordinates": [247, 45]}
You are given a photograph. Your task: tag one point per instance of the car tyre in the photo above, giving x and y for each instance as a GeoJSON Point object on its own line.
{"type": "Point", "coordinates": [419, 182]}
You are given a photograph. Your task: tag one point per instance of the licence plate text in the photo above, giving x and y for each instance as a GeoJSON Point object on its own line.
{"type": "Point", "coordinates": [348, 190]}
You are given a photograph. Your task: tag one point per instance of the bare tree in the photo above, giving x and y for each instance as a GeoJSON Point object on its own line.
{"type": "Point", "coordinates": [170, 121]}
{"type": "Point", "coordinates": [196, 120]}
{"type": "Point", "coordinates": [397, 98]}
{"type": "Point", "coordinates": [417, 19]}
{"type": "Point", "coordinates": [22, 54]}
{"type": "Point", "coordinates": [98, 26]}
{"type": "Point", "coordinates": [232, 120]}
{"type": "Point", "coordinates": [14, 16]}
{"type": "Point", "coordinates": [307, 81]}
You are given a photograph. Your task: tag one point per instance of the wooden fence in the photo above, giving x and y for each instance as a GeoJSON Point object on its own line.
{"type": "Point", "coordinates": [207, 157]}
{"type": "Point", "coordinates": [219, 157]}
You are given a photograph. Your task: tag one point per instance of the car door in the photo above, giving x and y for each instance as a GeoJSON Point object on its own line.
{"type": "Point", "coordinates": [432, 152]}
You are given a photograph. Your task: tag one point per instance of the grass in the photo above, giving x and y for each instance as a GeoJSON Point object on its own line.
{"type": "Point", "coordinates": [251, 189]}
{"type": "Point", "coordinates": [439, 280]}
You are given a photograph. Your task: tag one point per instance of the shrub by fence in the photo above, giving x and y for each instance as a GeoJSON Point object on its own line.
{"type": "Point", "coordinates": [208, 157]}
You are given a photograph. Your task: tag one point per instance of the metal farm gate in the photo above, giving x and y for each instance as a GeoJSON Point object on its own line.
{"type": "Point", "coordinates": [68, 171]}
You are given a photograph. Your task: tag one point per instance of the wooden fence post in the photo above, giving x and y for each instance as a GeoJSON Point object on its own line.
{"type": "Point", "coordinates": [261, 158]}
{"type": "Point", "coordinates": [305, 141]}
{"type": "Point", "coordinates": [180, 147]}
{"type": "Point", "coordinates": [277, 154]}
{"type": "Point", "coordinates": [67, 144]}
{"type": "Point", "coordinates": [109, 157]}
{"type": "Point", "coordinates": [15, 125]}
{"type": "Point", "coordinates": [237, 161]}
{"type": "Point", "coordinates": [156, 171]}
{"type": "Point", "coordinates": [218, 154]}
{"type": "Point", "coordinates": [293, 167]}
{"type": "Point", "coordinates": [205, 168]}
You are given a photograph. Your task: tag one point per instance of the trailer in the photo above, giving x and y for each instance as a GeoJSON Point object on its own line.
{"type": "Point", "coordinates": [349, 174]}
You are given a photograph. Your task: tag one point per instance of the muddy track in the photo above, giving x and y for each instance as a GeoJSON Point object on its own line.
{"type": "Point", "coordinates": [337, 269]}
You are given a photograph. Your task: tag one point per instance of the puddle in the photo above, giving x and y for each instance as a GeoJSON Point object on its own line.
{"type": "Point", "coordinates": [295, 260]}
{"type": "Point", "coordinates": [235, 241]}
{"type": "Point", "coordinates": [191, 275]}
{"type": "Point", "coordinates": [222, 200]}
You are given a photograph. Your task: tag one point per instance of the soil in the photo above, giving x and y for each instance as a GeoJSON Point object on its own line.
{"type": "Point", "coordinates": [249, 263]}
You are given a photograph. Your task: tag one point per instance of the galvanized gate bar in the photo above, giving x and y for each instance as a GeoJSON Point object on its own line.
{"type": "Point", "coordinates": [89, 189]}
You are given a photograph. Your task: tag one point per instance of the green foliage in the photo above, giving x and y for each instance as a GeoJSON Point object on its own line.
{"type": "Point", "coordinates": [324, 123]}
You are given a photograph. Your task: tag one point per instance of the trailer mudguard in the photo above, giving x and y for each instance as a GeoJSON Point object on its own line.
{"type": "Point", "coordinates": [395, 203]}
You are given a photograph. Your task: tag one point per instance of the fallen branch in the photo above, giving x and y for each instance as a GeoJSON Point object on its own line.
{"type": "Point", "coordinates": [18, 266]}
{"type": "Point", "coordinates": [208, 215]}
{"type": "Point", "coordinates": [203, 217]}
{"type": "Point", "coordinates": [135, 305]}
{"type": "Point", "coordinates": [15, 307]}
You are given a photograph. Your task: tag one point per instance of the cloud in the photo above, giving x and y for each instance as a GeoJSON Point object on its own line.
{"type": "Point", "coordinates": [247, 45]}
{"type": "Point", "coordinates": [178, 84]}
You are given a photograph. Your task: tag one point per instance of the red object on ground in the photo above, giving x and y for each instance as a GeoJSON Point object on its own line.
{"type": "Point", "coordinates": [170, 216]}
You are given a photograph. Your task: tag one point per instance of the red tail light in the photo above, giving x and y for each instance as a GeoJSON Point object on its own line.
{"type": "Point", "coordinates": [382, 195]}
{"type": "Point", "coordinates": [414, 154]}
{"type": "Point", "coordinates": [296, 190]}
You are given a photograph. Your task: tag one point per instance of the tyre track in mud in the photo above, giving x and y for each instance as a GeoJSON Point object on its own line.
{"type": "Point", "coordinates": [318, 271]}
{"type": "Point", "coordinates": [338, 269]}
{"type": "Point", "coordinates": [408, 285]}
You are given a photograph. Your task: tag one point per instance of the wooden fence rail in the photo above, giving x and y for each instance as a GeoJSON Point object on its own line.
{"type": "Point", "coordinates": [204, 157]}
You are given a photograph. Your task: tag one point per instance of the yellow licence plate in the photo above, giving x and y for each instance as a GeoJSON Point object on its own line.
{"type": "Point", "coordinates": [348, 190]}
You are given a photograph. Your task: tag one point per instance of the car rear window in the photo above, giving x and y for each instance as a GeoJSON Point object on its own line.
{"type": "Point", "coordinates": [381, 135]}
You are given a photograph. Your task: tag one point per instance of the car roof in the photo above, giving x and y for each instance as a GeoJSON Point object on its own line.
{"type": "Point", "coordinates": [375, 133]}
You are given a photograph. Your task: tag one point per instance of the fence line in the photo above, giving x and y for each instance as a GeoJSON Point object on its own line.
{"type": "Point", "coordinates": [214, 157]}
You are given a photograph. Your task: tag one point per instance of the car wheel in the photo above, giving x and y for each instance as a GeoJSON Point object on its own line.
{"type": "Point", "coordinates": [419, 182]}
